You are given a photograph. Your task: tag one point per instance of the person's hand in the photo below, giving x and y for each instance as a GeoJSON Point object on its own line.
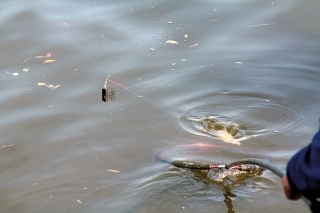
{"type": "Point", "coordinates": [287, 189]}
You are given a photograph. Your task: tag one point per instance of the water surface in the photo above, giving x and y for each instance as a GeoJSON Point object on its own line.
{"type": "Point", "coordinates": [251, 67]}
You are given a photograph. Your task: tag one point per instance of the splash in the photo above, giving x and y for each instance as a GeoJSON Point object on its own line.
{"type": "Point", "coordinates": [225, 136]}
{"type": "Point", "coordinates": [232, 176]}
{"type": "Point", "coordinates": [234, 118]}
{"type": "Point", "coordinates": [224, 130]}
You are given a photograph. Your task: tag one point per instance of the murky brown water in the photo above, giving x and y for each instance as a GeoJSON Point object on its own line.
{"type": "Point", "coordinates": [249, 69]}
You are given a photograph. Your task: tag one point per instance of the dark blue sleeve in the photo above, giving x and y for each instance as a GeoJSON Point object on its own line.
{"type": "Point", "coordinates": [303, 170]}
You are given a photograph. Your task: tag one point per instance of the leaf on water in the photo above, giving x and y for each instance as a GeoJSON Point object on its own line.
{"type": "Point", "coordinates": [111, 170]}
{"type": "Point", "coordinates": [41, 84]}
{"type": "Point", "coordinates": [172, 42]}
{"type": "Point", "coordinates": [25, 69]}
{"type": "Point", "coordinates": [49, 61]}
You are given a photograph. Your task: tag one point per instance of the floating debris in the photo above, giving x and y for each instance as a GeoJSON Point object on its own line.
{"type": "Point", "coordinates": [14, 74]}
{"type": "Point", "coordinates": [79, 201]}
{"type": "Point", "coordinates": [39, 56]}
{"type": "Point", "coordinates": [54, 87]}
{"type": "Point", "coordinates": [170, 22]}
{"type": "Point", "coordinates": [186, 36]}
{"type": "Point", "coordinates": [48, 86]}
{"type": "Point", "coordinates": [6, 146]}
{"type": "Point", "coordinates": [49, 61]}
{"type": "Point", "coordinates": [172, 42]}
{"type": "Point", "coordinates": [25, 69]}
{"type": "Point", "coordinates": [194, 45]}
{"type": "Point", "coordinates": [112, 170]}
{"type": "Point", "coordinates": [258, 25]}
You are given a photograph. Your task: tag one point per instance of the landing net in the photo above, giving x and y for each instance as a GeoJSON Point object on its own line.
{"type": "Point", "coordinates": [196, 157]}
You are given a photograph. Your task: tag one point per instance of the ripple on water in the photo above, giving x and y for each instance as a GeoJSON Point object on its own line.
{"type": "Point", "coordinates": [179, 187]}
{"type": "Point", "coordinates": [237, 117]}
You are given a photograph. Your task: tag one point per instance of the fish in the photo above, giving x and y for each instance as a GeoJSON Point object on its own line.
{"type": "Point", "coordinates": [225, 136]}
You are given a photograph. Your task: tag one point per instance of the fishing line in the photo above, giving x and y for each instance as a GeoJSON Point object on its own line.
{"type": "Point", "coordinates": [97, 33]}
{"type": "Point", "coordinates": [187, 164]}
{"type": "Point", "coordinates": [108, 94]}
{"type": "Point", "coordinates": [140, 96]}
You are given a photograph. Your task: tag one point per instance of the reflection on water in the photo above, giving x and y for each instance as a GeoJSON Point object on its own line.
{"type": "Point", "coordinates": [209, 153]}
{"type": "Point", "coordinates": [228, 195]}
